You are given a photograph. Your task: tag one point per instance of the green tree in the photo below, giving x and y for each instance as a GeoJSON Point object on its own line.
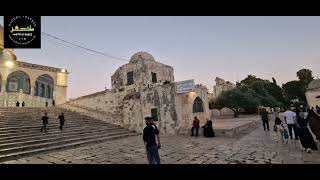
{"type": "Point", "coordinates": [270, 94]}
{"type": "Point", "coordinates": [305, 76]}
{"type": "Point", "coordinates": [249, 80]}
{"type": "Point", "coordinates": [235, 99]}
{"type": "Point", "coordinates": [293, 90]}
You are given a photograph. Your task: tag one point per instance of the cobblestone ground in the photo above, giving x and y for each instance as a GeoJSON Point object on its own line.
{"type": "Point", "coordinates": [252, 146]}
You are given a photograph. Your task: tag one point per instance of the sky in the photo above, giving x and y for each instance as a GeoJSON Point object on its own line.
{"type": "Point", "coordinates": [199, 48]}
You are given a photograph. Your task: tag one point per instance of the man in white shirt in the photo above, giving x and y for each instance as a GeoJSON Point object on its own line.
{"type": "Point", "coordinates": [290, 119]}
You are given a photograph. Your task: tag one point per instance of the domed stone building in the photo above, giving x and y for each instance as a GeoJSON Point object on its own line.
{"type": "Point", "coordinates": [313, 93]}
{"type": "Point", "coordinates": [144, 87]}
{"type": "Point", "coordinates": [34, 84]}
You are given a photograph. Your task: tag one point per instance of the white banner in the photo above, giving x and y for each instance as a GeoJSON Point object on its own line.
{"type": "Point", "coordinates": [185, 86]}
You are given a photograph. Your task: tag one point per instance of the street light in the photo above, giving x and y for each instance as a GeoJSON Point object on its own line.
{"type": "Point", "coordinates": [9, 64]}
{"type": "Point", "coordinates": [63, 70]}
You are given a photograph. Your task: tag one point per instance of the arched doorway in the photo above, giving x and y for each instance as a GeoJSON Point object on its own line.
{"type": "Point", "coordinates": [18, 81]}
{"type": "Point", "coordinates": [44, 86]}
{"type": "Point", "coordinates": [197, 105]}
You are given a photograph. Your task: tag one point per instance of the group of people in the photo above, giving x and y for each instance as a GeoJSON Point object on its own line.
{"type": "Point", "coordinates": [23, 104]}
{"type": "Point", "coordinates": [151, 137]}
{"type": "Point", "coordinates": [18, 104]}
{"type": "Point", "coordinates": [53, 103]}
{"type": "Point", "coordinates": [297, 120]}
{"type": "Point", "coordinates": [207, 128]}
{"type": "Point", "coordinates": [45, 121]}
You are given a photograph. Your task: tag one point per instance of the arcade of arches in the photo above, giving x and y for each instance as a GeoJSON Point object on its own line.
{"type": "Point", "coordinates": [36, 85]}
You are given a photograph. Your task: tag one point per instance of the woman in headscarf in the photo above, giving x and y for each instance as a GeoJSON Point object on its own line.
{"type": "Point", "coordinates": [314, 123]}
{"type": "Point", "coordinates": [279, 128]}
{"type": "Point", "coordinates": [207, 129]}
{"type": "Point", "coordinates": [305, 136]}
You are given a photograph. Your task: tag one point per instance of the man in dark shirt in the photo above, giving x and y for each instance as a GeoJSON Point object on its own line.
{"type": "Point", "coordinates": [61, 118]}
{"type": "Point", "coordinates": [318, 109]}
{"type": "Point", "coordinates": [195, 125]}
{"type": "Point", "coordinates": [265, 119]}
{"type": "Point", "coordinates": [149, 138]}
{"type": "Point", "coordinates": [44, 122]}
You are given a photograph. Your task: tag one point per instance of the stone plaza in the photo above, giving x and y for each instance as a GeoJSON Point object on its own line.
{"type": "Point", "coordinates": [250, 146]}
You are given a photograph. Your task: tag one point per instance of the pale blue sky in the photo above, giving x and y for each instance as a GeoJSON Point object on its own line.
{"type": "Point", "coordinates": [199, 48]}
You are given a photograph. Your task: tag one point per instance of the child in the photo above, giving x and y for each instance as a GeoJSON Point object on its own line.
{"type": "Point", "coordinates": [279, 128]}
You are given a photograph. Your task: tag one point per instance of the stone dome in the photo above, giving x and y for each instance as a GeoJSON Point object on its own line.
{"type": "Point", "coordinates": [315, 84]}
{"type": "Point", "coordinates": [141, 56]}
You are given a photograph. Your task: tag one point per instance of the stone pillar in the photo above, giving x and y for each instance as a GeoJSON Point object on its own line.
{"type": "Point", "coordinates": [32, 90]}
{"type": "Point", "coordinates": [3, 86]}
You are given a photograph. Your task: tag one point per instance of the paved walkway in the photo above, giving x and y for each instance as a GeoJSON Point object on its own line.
{"type": "Point", "coordinates": [252, 146]}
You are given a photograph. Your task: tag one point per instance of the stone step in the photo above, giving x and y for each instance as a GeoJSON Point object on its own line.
{"type": "Point", "coordinates": [52, 143]}
{"type": "Point", "coordinates": [17, 116]}
{"type": "Point", "coordinates": [66, 128]}
{"type": "Point", "coordinates": [33, 128]}
{"type": "Point", "coordinates": [37, 135]}
{"type": "Point", "coordinates": [58, 137]}
{"type": "Point", "coordinates": [38, 125]}
{"type": "Point", "coordinates": [21, 154]}
{"type": "Point", "coordinates": [20, 131]}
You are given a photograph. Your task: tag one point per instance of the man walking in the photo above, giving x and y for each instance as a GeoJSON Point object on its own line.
{"type": "Point", "coordinates": [149, 138]}
{"type": "Point", "coordinates": [61, 119]}
{"type": "Point", "coordinates": [265, 119]}
{"type": "Point", "coordinates": [44, 122]}
{"type": "Point", "coordinates": [195, 125]}
{"type": "Point", "coordinates": [290, 119]}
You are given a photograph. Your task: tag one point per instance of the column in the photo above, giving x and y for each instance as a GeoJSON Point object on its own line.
{"type": "Point", "coordinates": [32, 89]}
{"type": "Point", "coordinates": [3, 86]}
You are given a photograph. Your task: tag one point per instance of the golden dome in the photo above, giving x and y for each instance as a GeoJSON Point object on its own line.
{"type": "Point", "coordinates": [9, 53]}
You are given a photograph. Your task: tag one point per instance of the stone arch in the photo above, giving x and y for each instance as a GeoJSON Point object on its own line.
{"type": "Point", "coordinates": [44, 85]}
{"type": "Point", "coordinates": [197, 105]}
{"type": "Point", "coordinates": [17, 81]}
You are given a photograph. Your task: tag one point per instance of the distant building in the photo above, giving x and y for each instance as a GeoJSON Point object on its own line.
{"type": "Point", "coordinates": [221, 85]}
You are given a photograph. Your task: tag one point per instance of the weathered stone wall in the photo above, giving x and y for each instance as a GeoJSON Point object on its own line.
{"type": "Point", "coordinates": [141, 75]}
{"type": "Point", "coordinates": [163, 99]}
{"type": "Point", "coordinates": [184, 106]}
{"type": "Point", "coordinates": [107, 102]}
{"type": "Point", "coordinates": [106, 117]}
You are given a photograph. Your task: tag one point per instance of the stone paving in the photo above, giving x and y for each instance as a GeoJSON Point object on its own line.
{"type": "Point", "coordinates": [253, 146]}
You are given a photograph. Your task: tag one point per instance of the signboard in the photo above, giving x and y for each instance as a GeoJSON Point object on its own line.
{"type": "Point", "coordinates": [185, 86]}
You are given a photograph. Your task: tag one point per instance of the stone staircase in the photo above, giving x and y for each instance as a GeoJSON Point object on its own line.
{"type": "Point", "coordinates": [20, 133]}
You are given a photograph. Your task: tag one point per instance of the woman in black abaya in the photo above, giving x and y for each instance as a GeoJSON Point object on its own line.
{"type": "Point", "coordinates": [207, 129]}
{"type": "Point", "coordinates": [305, 136]}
